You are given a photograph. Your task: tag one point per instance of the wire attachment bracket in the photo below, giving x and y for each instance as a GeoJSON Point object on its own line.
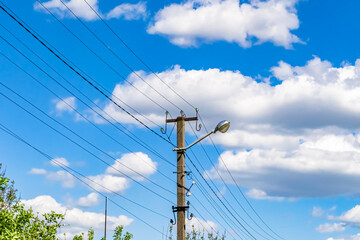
{"type": "Point", "coordinates": [166, 118]}
{"type": "Point", "coordinates": [181, 209]}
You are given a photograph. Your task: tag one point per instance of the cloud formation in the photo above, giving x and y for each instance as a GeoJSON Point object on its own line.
{"type": "Point", "coordinates": [286, 140]}
{"type": "Point", "coordinates": [107, 183]}
{"type": "Point", "coordinates": [194, 21]}
{"type": "Point", "coordinates": [82, 9]}
{"type": "Point", "coordinates": [92, 199]}
{"type": "Point", "coordinates": [331, 227]}
{"type": "Point", "coordinates": [76, 220]}
{"type": "Point", "coordinates": [139, 163]}
{"type": "Point", "coordinates": [65, 105]}
{"type": "Point", "coordinates": [79, 7]}
{"type": "Point", "coordinates": [128, 11]}
{"type": "Point", "coordinates": [59, 161]}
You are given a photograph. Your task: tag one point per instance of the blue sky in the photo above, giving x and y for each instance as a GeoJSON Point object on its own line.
{"type": "Point", "coordinates": [284, 72]}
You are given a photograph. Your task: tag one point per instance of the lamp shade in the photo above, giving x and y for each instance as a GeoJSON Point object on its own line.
{"type": "Point", "coordinates": [222, 126]}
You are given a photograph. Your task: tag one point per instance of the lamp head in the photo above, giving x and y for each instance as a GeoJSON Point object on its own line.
{"type": "Point", "coordinates": [222, 126]}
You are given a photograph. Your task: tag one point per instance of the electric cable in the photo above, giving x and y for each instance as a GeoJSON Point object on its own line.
{"type": "Point", "coordinates": [11, 133]}
{"type": "Point", "coordinates": [55, 93]}
{"type": "Point", "coordinates": [109, 49]}
{"type": "Point", "coordinates": [154, 73]}
{"type": "Point", "coordinates": [219, 197]}
{"type": "Point", "coordinates": [128, 47]}
{"type": "Point", "coordinates": [137, 140]}
{"type": "Point", "coordinates": [83, 77]}
{"type": "Point", "coordinates": [227, 187]}
{"type": "Point", "coordinates": [92, 154]}
{"type": "Point", "coordinates": [47, 115]}
{"type": "Point", "coordinates": [238, 187]}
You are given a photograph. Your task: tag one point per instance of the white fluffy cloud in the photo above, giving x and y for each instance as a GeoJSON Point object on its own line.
{"type": "Point", "coordinates": [79, 7]}
{"type": "Point", "coordinates": [314, 96]}
{"type": "Point", "coordinates": [76, 220]}
{"type": "Point", "coordinates": [139, 162]}
{"type": "Point", "coordinates": [65, 105]}
{"type": "Point", "coordinates": [317, 212]}
{"type": "Point", "coordinates": [261, 195]}
{"type": "Point", "coordinates": [82, 10]}
{"type": "Point", "coordinates": [62, 161]}
{"type": "Point", "coordinates": [331, 227]}
{"type": "Point", "coordinates": [90, 200]}
{"type": "Point", "coordinates": [201, 225]}
{"type": "Point", "coordinates": [128, 11]}
{"type": "Point", "coordinates": [37, 171]}
{"type": "Point", "coordinates": [331, 160]}
{"type": "Point", "coordinates": [107, 183]}
{"type": "Point", "coordinates": [285, 140]}
{"type": "Point", "coordinates": [351, 217]}
{"type": "Point", "coordinates": [188, 23]}
{"type": "Point", "coordinates": [352, 237]}
{"type": "Point", "coordinates": [66, 179]}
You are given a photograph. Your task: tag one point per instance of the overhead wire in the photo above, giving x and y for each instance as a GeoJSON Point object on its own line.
{"type": "Point", "coordinates": [81, 75]}
{"type": "Point", "coordinates": [237, 185]}
{"type": "Point", "coordinates": [138, 57]}
{"type": "Point", "coordinates": [71, 170]}
{"type": "Point", "coordinates": [240, 232]}
{"type": "Point", "coordinates": [102, 60]}
{"type": "Point", "coordinates": [79, 113]}
{"type": "Point", "coordinates": [137, 140]}
{"type": "Point", "coordinates": [109, 49]}
{"type": "Point", "coordinates": [227, 187]}
{"type": "Point", "coordinates": [35, 79]}
{"type": "Point", "coordinates": [64, 126]}
{"type": "Point", "coordinates": [168, 86]}
{"type": "Point", "coordinates": [247, 231]}
{"type": "Point", "coordinates": [92, 154]}
{"type": "Point", "coordinates": [155, 74]}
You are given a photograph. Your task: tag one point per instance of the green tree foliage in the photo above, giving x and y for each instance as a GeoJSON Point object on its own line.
{"type": "Point", "coordinates": [118, 234]}
{"type": "Point", "coordinates": [197, 235]}
{"type": "Point", "coordinates": [16, 222]}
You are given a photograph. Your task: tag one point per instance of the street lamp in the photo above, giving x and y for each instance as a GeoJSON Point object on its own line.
{"type": "Point", "coordinates": [222, 127]}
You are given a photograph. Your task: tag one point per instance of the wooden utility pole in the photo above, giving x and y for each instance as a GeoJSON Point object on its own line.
{"type": "Point", "coordinates": [181, 178]}
{"type": "Point", "coordinates": [180, 173]}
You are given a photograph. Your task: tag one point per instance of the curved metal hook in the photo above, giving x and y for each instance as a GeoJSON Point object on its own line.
{"type": "Point", "coordinates": [162, 129]}
{"type": "Point", "coordinates": [197, 116]}
{"type": "Point", "coordinates": [173, 222]}
{"type": "Point", "coordinates": [191, 215]}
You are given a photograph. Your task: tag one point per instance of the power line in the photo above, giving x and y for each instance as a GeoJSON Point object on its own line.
{"type": "Point", "coordinates": [109, 49]}
{"type": "Point", "coordinates": [77, 112]}
{"type": "Point", "coordinates": [128, 47]}
{"type": "Point", "coordinates": [154, 73]}
{"type": "Point", "coordinates": [92, 154]}
{"type": "Point", "coordinates": [238, 187]}
{"type": "Point", "coordinates": [66, 168]}
{"type": "Point", "coordinates": [219, 197]}
{"type": "Point", "coordinates": [137, 140]}
{"type": "Point", "coordinates": [100, 58]}
{"type": "Point", "coordinates": [227, 187]}
{"type": "Point", "coordinates": [148, 67]}
{"type": "Point", "coordinates": [83, 77]}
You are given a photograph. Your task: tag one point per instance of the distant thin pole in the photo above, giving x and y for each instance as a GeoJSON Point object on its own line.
{"type": "Point", "coordinates": [105, 217]}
